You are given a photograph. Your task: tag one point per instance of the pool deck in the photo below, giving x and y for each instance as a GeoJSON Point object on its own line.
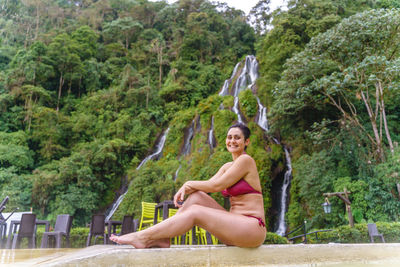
{"type": "Point", "coordinates": [329, 255]}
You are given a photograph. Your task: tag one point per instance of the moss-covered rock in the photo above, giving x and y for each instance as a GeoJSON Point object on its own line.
{"type": "Point", "coordinates": [248, 103]}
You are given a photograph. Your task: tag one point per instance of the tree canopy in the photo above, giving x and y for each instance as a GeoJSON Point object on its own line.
{"type": "Point", "coordinates": [87, 88]}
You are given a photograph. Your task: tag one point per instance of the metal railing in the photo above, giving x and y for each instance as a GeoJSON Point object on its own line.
{"type": "Point", "coordinates": [304, 235]}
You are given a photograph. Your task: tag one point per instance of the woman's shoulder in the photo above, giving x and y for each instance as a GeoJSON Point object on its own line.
{"type": "Point", "coordinates": [246, 158]}
{"type": "Point", "coordinates": [227, 165]}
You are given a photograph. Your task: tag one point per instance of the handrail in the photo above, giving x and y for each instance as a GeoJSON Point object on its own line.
{"type": "Point", "coordinates": [305, 234]}
{"type": "Point", "coordinates": [296, 229]}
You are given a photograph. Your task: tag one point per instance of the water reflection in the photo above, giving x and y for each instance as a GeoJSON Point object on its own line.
{"type": "Point", "coordinates": [10, 256]}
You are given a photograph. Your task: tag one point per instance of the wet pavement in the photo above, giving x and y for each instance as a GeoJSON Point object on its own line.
{"type": "Point", "coordinates": [326, 255]}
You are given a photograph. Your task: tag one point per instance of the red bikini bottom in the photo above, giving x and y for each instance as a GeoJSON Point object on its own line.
{"type": "Point", "coordinates": [260, 221]}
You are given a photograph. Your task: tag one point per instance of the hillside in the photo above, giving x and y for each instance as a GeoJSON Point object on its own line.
{"type": "Point", "coordinates": [90, 89]}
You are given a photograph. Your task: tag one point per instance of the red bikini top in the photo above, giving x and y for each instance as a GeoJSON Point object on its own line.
{"type": "Point", "coordinates": [240, 188]}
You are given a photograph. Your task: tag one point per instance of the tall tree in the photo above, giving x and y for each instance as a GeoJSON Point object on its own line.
{"type": "Point", "coordinates": [158, 47]}
{"type": "Point", "coordinates": [290, 30]}
{"type": "Point", "coordinates": [64, 52]}
{"type": "Point", "coordinates": [122, 29]}
{"type": "Point", "coordinates": [358, 60]}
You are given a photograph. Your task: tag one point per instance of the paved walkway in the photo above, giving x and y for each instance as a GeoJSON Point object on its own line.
{"type": "Point", "coordinates": [327, 255]}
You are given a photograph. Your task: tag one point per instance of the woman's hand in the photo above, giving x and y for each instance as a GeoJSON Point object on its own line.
{"type": "Point", "coordinates": [179, 197]}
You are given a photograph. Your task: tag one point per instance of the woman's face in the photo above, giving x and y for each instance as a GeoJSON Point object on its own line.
{"type": "Point", "coordinates": [235, 142]}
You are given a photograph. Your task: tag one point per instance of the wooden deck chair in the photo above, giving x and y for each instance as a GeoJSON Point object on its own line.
{"type": "Point", "coordinates": [147, 218]}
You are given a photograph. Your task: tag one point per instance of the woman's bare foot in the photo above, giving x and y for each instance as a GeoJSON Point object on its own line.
{"type": "Point", "coordinates": [133, 239]}
{"type": "Point", "coordinates": [136, 240]}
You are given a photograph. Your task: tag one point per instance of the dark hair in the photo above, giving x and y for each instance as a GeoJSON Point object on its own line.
{"type": "Point", "coordinates": [245, 130]}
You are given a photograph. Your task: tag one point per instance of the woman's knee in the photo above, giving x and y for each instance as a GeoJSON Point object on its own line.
{"type": "Point", "coordinates": [195, 198]}
{"type": "Point", "coordinates": [193, 211]}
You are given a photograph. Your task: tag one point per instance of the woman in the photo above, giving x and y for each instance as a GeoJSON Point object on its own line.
{"type": "Point", "coordinates": [243, 225]}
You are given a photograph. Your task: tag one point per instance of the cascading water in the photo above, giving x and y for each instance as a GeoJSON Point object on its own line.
{"type": "Point", "coordinates": [286, 182]}
{"type": "Point", "coordinates": [236, 109]}
{"type": "Point", "coordinates": [262, 120]}
{"type": "Point", "coordinates": [211, 138]}
{"type": "Point", "coordinates": [187, 142]}
{"type": "Point", "coordinates": [177, 172]}
{"type": "Point", "coordinates": [159, 148]}
{"type": "Point", "coordinates": [246, 79]}
{"type": "Point", "coordinates": [155, 155]}
{"type": "Point", "coordinates": [225, 88]}
{"type": "Point", "coordinates": [252, 64]}
{"type": "Point", "coordinates": [115, 206]}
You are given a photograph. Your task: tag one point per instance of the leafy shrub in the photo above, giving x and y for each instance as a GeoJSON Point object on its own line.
{"type": "Point", "coordinates": [77, 237]}
{"type": "Point", "coordinates": [358, 234]}
{"type": "Point", "coordinates": [272, 238]}
{"type": "Point", "coordinates": [248, 103]}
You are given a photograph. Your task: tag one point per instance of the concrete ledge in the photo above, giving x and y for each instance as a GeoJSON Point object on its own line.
{"type": "Point", "coordinates": [266, 255]}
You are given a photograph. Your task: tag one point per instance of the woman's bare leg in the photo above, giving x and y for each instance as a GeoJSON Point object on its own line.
{"type": "Point", "coordinates": [202, 199]}
{"type": "Point", "coordinates": [197, 198]}
{"type": "Point", "coordinates": [230, 228]}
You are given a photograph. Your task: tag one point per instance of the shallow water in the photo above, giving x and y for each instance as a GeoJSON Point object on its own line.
{"type": "Point", "coordinates": [19, 256]}
{"type": "Point", "coordinates": [328, 255]}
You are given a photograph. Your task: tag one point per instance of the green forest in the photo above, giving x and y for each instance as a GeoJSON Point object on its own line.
{"type": "Point", "coordinates": [89, 87]}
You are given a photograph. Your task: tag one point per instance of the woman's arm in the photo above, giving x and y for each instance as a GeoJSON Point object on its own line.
{"type": "Point", "coordinates": [228, 175]}
{"type": "Point", "coordinates": [239, 169]}
{"type": "Point", "coordinates": [187, 190]}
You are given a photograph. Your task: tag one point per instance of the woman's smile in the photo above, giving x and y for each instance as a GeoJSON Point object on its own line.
{"type": "Point", "coordinates": [235, 142]}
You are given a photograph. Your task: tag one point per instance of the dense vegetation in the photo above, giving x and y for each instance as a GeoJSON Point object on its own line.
{"type": "Point", "coordinates": [87, 88]}
{"type": "Point", "coordinates": [334, 101]}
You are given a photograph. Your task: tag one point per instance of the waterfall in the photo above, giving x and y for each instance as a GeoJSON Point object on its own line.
{"type": "Point", "coordinates": [177, 172]}
{"type": "Point", "coordinates": [246, 79]}
{"type": "Point", "coordinates": [236, 109]}
{"type": "Point", "coordinates": [247, 76]}
{"type": "Point", "coordinates": [211, 138]}
{"type": "Point", "coordinates": [235, 70]}
{"type": "Point", "coordinates": [188, 138]}
{"type": "Point", "coordinates": [240, 83]}
{"type": "Point", "coordinates": [155, 155]}
{"type": "Point", "coordinates": [252, 66]}
{"type": "Point", "coordinates": [286, 182]}
{"type": "Point", "coordinates": [159, 148]}
{"type": "Point", "coordinates": [262, 120]}
{"type": "Point", "coordinates": [115, 206]}
{"type": "Point", "coordinates": [187, 143]}
{"type": "Point", "coordinates": [225, 88]}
